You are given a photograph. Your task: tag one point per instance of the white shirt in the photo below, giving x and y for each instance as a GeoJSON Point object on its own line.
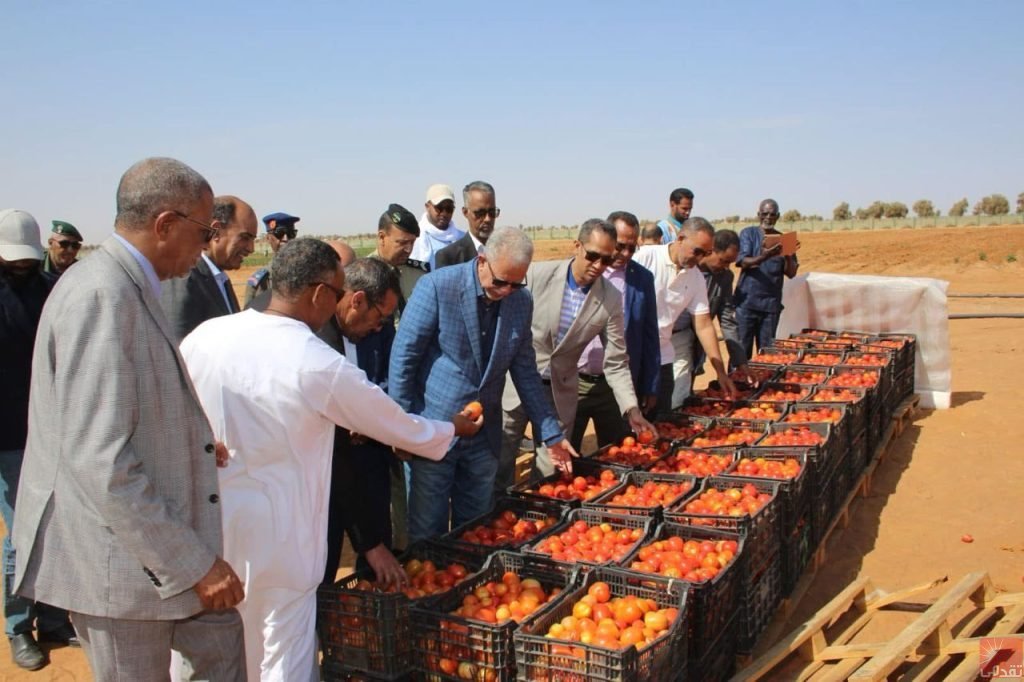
{"type": "Point", "coordinates": [276, 415]}
{"type": "Point", "coordinates": [351, 353]}
{"type": "Point", "coordinates": [476, 242]}
{"type": "Point", "coordinates": [432, 240]}
{"type": "Point", "coordinates": [675, 291]}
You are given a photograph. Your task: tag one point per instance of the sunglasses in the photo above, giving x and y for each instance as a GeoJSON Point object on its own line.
{"type": "Point", "coordinates": [209, 231]}
{"type": "Point", "coordinates": [699, 252]}
{"type": "Point", "coordinates": [283, 232]}
{"type": "Point", "coordinates": [592, 256]}
{"type": "Point", "coordinates": [444, 207]}
{"type": "Point", "coordinates": [498, 282]}
{"type": "Point", "coordinates": [482, 212]}
{"type": "Point", "coordinates": [69, 244]}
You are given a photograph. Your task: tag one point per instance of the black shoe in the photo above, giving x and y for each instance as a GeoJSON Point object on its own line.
{"type": "Point", "coordinates": [26, 653]}
{"type": "Point", "coordinates": [63, 634]}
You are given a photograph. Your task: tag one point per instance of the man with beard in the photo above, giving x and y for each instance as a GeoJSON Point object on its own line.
{"type": "Point", "coordinates": [206, 291]}
{"type": "Point", "coordinates": [62, 248]}
{"type": "Point", "coordinates": [680, 204]}
{"type": "Point", "coordinates": [437, 229]}
{"type": "Point", "coordinates": [23, 290]}
{"type": "Point", "coordinates": [481, 213]}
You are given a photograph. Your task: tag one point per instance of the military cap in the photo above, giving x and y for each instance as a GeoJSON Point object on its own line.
{"type": "Point", "coordinates": [279, 220]}
{"type": "Point", "coordinates": [67, 229]}
{"type": "Point", "coordinates": [401, 218]}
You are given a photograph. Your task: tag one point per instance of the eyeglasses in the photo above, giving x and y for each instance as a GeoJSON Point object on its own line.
{"type": "Point", "coordinates": [699, 252]}
{"type": "Point", "coordinates": [498, 282]}
{"type": "Point", "coordinates": [592, 256]}
{"type": "Point", "coordinates": [69, 244]}
{"type": "Point", "coordinates": [283, 232]}
{"type": "Point", "coordinates": [444, 207]}
{"type": "Point", "coordinates": [622, 247]}
{"type": "Point", "coordinates": [480, 213]}
{"type": "Point", "coordinates": [209, 231]}
{"type": "Point", "coordinates": [338, 293]}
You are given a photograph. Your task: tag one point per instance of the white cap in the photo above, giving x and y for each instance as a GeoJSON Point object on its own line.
{"type": "Point", "coordinates": [19, 236]}
{"type": "Point", "coordinates": [438, 193]}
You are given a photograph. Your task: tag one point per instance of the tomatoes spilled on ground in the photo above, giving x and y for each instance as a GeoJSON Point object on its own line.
{"type": "Point", "coordinates": [759, 410]}
{"type": "Point", "coordinates": [631, 453]}
{"type": "Point", "coordinates": [425, 579]}
{"type": "Point", "coordinates": [726, 435]}
{"type": "Point", "coordinates": [709, 408]}
{"type": "Point", "coordinates": [768, 468]}
{"type": "Point", "coordinates": [598, 619]}
{"type": "Point", "coordinates": [596, 544]}
{"type": "Point", "coordinates": [506, 528]}
{"type": "Point", "coordinates": [865, 379]}
{"type": "Point", "coordinates": [798, 435]}
{"type": "Point", "coordinates": [692, 560]}
{"type": "Point", "coordinates": [695, 462]}
{"type": "Point", "coordinates": [738, 501]}
{"type": "Point", "coordinates": [797, 376]}
{"type": "Point", "coordinates": [794, 392]}
{"type": "Point", "coordinates": [579, 488]}
{"type": "Point", "coordinates": [822, 414]}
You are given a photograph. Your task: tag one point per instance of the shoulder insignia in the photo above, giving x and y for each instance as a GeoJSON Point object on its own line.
{"type": "Point", "coordinates": [419, 264]}
{"type": "Point", "coordinates": [256, 278]}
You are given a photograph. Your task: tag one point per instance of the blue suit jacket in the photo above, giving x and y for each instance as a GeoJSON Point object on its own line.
{"type": "Point", "coordinates": [436, 363]}
{"type": "Point", "coordinates": [642, 343]}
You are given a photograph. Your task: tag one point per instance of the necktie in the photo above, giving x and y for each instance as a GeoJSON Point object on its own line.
{"type": "Point", "coordinates": [232, 299]}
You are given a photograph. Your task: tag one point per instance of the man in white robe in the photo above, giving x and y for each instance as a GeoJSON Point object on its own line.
{"type": "Point", "coordinates": [276, 412]}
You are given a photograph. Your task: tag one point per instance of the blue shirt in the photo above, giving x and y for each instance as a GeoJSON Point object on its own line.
{"type": "Point", "coordinates": [222, 280]}
{"type": "Point", "coordinates": [572, 300]}
{"type": "Point", "coordinates": [669, 229]}
{"type": "Point", "coordinates": [143, 262]}
{"type": "Point", "coordinates": [759, 288]}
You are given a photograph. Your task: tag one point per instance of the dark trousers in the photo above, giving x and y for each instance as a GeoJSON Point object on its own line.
{"type": "Point", "coordinates": [756, 324]}
{"type": "Point", "coordinates": [597, 402]}
{"type": "Point", "coordinates": [360, 502]}
{"type": "Point", "coordinates": [666, 384]}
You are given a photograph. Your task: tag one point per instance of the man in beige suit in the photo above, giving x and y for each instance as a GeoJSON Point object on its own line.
{"type": "Point", "coordinates": [573, 304]}
{"type": "Point", "coordinates": [118, 514]}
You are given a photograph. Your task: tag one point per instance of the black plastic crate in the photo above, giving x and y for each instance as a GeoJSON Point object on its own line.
{"type": "Point", "coordinates": [712, 603]}
{"type": "Point", "coordinates": [833, 344]}
{"type": "Point", "coordinates": [797, 549]}
{"type": "Point", "coordinates": [674, 459]}
{"type": "Point", "coordinates": [613, 456]}
{"type": "Point", "coordinates": [367, 632]}
{"type": "Point", "coordinates": [542, 658]}
{"type": "Point", "coordinates": [334, 671]}
{"type": "Point", "coordinates": [840, 425]}
{"type": "Point", "coordinates": [856, 410]}
{"type": "Point", "coordinates": [858, 457]}
{"type": "Point", "coordinates": [719, 661]}
{"type": "Point", "coordinates": [548, 512]}
{"type": "Point", "coordinates": [791, 344]}
{"type": "Point", "coordinates": [758, 372]}
{"type": "Point", "coordinates": [704, 408]}
{"type": "Point", "coordinates": [822, 357]}
{"type": "Point", "coordinates": [760, 411]}
{"type": "Point", "coordinates": [440, 638]}
{"type": "Point", "coordinates": [639, 479]}
{"type": "Point", "coordinates": [807, 375]}
{"type": "Point", "coordinates": [748, 431]}
{"type": "Point", "coordinates": [778, 391]}
{"type": "Point", "coordinates": [581, 467]}
{"type": "Point", "coordinates": [794, 493]}
{"type": "Point", "coordinates": [779, 356]}
{"type": "Point", "coordinates": [762, 530]}
{"type": "Point", "coordinates": [830, 453]}
{"type": "Point", "coordinates": [593, 517]}
{"type": "Point", "coordinates": [678, 428]}
{"type": "Point", "coordinates": [759, 598]}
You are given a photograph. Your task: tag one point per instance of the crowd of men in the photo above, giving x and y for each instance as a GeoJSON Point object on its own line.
{"type": "Point", "coordinates": [179, 473]}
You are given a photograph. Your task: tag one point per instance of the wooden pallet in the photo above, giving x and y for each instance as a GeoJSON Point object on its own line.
{"type": "Point", "coordinates": [931, 647]}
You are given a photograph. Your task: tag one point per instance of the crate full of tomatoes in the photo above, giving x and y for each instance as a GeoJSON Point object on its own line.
{"type": "Point", "coordinates": [466, 633]}
{"type": "Point", "coordinates": [709, 561]}
{"type": "Point", "coordinates": [680, 428]}
{"type": "Point", "coordinates": [611, 625]}
{"type": "Point", "coordinates": [364, 626]}
{"type": "Point", "coordinates": [826, 454]}
{"type": "Point", "coordinates": [698, 462]}
{"type": "Point", "coordinates": [646, 493]}
{"type": "Point", "coordinates": [632, 453]}
{"type": "Point", "coordinates": [510, 524]}
{"type": "Point", "coordinates": [592, 537]}
{"type": "Point", "coordinates": [588, 480]}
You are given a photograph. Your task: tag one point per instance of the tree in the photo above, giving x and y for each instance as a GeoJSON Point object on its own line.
{"type": "Point", "coordinates": [924, 208]}
{"type": "Point", "coordinates": [993, 204]}
{"type": "Point", "coordinates": [1020, 203]}
{"type": "Point", "coordinates": [842, 211]}
{"type": "Point", "coordinates": [959, 208]}
{"type": "Point", "coordinates": [875, 210]}
{"type": "Point", "coordinates": [791, 216]}
{"type": "Point", "coordinates": [813, 216]}
{"type": "Point", "coordinates": [896, 209]}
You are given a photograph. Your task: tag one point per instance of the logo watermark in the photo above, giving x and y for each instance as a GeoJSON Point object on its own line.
{"type": "Point", "coordinates": [1002, 658]}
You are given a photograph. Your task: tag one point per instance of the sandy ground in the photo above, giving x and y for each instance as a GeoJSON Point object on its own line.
{"type": "Point", "coordinates": [952, 472]}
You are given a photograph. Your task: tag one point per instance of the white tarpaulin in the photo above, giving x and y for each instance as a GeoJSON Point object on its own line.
{"type": "Point", "coordinates": [912, 305]}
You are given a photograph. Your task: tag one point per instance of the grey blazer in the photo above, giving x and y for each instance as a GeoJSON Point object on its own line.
{"type": "Point", "coordinates": [601, 315]}
{"type": "Point", "coordinates": [193, 299]}
{"type": "Point", "coordinates": [118, 512]}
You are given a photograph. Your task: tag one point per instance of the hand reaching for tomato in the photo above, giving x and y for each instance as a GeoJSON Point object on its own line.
{"type": "Point", "coordinates": [561, 454]}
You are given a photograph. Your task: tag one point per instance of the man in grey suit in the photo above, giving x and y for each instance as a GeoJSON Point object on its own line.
{"type": "Point", "coordinates": [118, 517]}
{"type": "Point", "coordinates": [573, 303]}
{"type": "Point", "coordinates": [206, 291]}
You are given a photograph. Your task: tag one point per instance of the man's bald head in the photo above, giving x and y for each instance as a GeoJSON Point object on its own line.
{"type": "Point", "coordinates": [155, 185]}
{"type": "Point", "coordinates": [344, 251]}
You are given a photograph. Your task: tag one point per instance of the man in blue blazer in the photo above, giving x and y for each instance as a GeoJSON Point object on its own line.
{"type": "Point", "coordinates": [464, 327]}
{"type": "Point", "coordinates": [636, 284]}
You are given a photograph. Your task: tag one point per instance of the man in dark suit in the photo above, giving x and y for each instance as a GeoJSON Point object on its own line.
{"type": "Point", "coordinates": [481, 213]}
{"type": "Point", "coordinates": [206, 291]}
{"type": "Point", "coordinates": [464, 329]}
{"type": "Point", "coordinates": [640, 310]}
{"type": "Point", "coordinates": [118, 517]}
{"type": "Point", "coordinates": [360, 472]}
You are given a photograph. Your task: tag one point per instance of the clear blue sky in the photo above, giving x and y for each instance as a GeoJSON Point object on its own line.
{"type": "Point", "coordinates": [332, 110]}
